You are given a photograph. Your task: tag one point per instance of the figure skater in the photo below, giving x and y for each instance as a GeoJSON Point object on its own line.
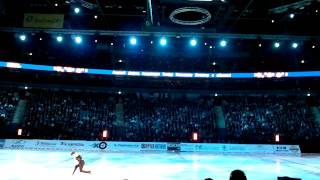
{"type": "Point", "coordinates": [80, 163]}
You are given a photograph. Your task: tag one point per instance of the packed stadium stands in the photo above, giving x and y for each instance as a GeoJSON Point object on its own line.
{"type": "Point", "coordinates": [8, 102]}
{"type": "Point", "coordinates": [163, 117]}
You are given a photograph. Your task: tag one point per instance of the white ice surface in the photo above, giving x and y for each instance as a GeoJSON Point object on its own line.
{"type": "Point", "coordinates": [40, 165]}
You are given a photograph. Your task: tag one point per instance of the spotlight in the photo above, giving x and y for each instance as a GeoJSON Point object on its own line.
{"type": "Point", "coordinates": [193, 42]}
{"type": "Point", "coordinates": [59, 38]}
{"type": "Point", "coordinates": [96, 41]}
{"type": "Point", "coordinates": [295, 45]}
{"type": "Point", "coordinates": [119, 92]}
{"type": "Point", "coordinates": [276, 44]}
{"type": "Point", "coordinates": [277, 138]}
{"type": "Point", "coordinates": [133, 41]}
{"type": "Point", "coordinates": [23, 37]}
{"type": "Point", "coordinates": [223, 43]}
{"type": "Point", "coordinates": [302, 61]}
{"type": "Point", "coordinates": [56, 4]}
{"type": "Point", "coordinates": [313, 46]}
{"type": "Point", "coordinates": [308, 94]}
{"type": "Point", "coordinates": [210, 47]}
{"type": "Point", "coordinates": [163, 41]}
{"type": "Point", "coordinates": [260, 45]}
{"type": "Point", "coordinates": [272, 21]}
{"type": "Point", "coordinates": [95, 16]}
{"type": "Point", "coordinates": [76, 10]}
{"type": "Point", "coordinates": [19, 132]}
{"type": "Point", "coordinates": [195, 136]}
{"type": "Point", "coordinates": [291, 15]}
{"type": "Point", "coordinates": [151, 42]}
{"type": "Point", "coordinates": [26, 87]}
{"type": "Point", "coordinates": [40, 39]}
{"type": "Point", "coordinates": [105, 133]}
{"type": "Point", "coordinates": [78, 39]}
{"type": "Point", "coordinates": [215, 94]}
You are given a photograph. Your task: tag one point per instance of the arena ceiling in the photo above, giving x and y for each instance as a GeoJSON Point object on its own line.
{"type": "Point", "coordinates": [224, 16]}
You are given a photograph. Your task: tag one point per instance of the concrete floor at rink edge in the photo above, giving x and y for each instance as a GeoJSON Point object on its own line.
{"type": "Point", "coordinates": [53, 165]}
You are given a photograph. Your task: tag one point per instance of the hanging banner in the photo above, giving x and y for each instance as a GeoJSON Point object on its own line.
{"type": "Point", "coordinates": [43, 20]}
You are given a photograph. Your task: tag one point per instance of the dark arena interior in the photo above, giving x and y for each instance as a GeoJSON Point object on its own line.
{"type": "Point", "coordinates": [159, 89]}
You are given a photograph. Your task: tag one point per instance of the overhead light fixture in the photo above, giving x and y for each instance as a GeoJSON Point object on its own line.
{"type": "Point", "coordinates": [291, 15]}
{"type": "Point", "coordinates": [78, 39]}
{"type": "Point", "coordinates": [59, 38]}
{"type": "Point", "coordinates": [193, 42]}
{"type": "Point", "coordinates": [23, 37]}
{"type": "Point", "coordinates": [133, 41]}
{"type": "Point", "coordinates": [163, 41]}
{"type": "Point", "coordinates": [205, 0]}
{"type": "Point", "coordinates": [276, 44]}
{"type": "Point", "coordinates": [223, 43]}
{"type": "Point", "coordinates": [295, 45]}
{"type": "Point", "coordinates": [76, 10]}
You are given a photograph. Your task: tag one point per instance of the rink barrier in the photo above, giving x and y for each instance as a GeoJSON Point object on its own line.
{"type": "Point", "coordinates": [74, 145]}
{"type": "Point", "coordinates": [106, 146]}
{"type": "Point", "coordinates": [241, 148]}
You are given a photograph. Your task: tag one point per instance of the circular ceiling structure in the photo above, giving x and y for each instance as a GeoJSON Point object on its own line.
{"type": "Point", "coordinates": [206, 16]}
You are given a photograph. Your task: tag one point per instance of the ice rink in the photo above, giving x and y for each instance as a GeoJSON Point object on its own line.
{"type": "Point", "coordinates": [39, 165]}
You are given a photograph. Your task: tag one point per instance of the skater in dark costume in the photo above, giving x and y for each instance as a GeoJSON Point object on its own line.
{"type": "Point", "coordinates": [80, 163]}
